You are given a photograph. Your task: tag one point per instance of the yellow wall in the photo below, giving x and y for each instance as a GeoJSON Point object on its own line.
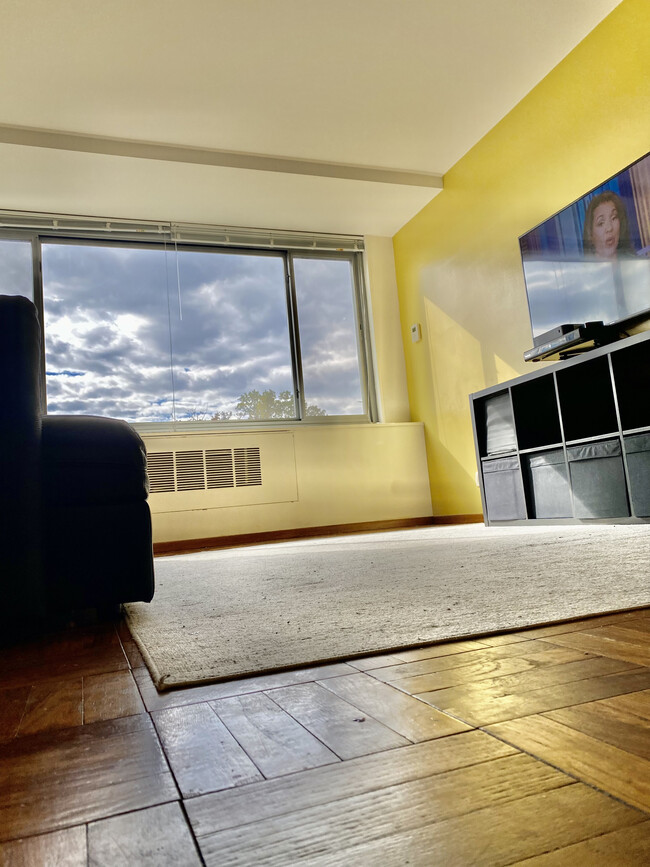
{"type": "Point", "coordinates": [457, 262]}
{"type": "Point", "coordinates": [388, 353]}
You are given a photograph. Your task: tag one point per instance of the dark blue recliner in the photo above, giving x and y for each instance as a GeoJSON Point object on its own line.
{"type": "Point", "coordinates": [75, 525]}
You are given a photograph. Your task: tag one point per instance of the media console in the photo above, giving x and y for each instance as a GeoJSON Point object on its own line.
{"type": "Point", "coordinates": [569, 442]}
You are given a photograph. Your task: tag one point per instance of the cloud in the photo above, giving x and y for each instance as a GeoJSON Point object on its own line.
{"type": "Point", "coordinates": [16, 271]}
{"type": "Point", "coordinates": [117, 323]}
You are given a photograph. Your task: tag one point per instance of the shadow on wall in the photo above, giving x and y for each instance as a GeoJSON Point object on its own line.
{"type": "Point", "coordinates": [485, 301]}
{"type": "Point", "coordinates": [469, 341]}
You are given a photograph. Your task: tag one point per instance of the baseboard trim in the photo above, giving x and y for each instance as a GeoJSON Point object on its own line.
{"type": "Point", "coordinates": [458, 519]}
{"type": "Point", "coordinates": [187, 546]}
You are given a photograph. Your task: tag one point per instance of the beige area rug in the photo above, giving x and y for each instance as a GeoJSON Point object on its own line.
{"type": "Point", "coordinates": [229, 613]}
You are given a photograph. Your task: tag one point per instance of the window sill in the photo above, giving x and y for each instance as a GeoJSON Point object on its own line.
{"type": "Point", "coordinates": [201, 428]}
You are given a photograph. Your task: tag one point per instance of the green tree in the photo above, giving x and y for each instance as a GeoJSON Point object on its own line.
{"type": "Point", "coordinates": [267, 405]}
{"type": "Point", "coordinates": [197, 414]}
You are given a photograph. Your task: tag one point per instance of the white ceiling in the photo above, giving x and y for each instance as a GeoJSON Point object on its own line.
{"type": "Point", "coordinates": [329, 88]}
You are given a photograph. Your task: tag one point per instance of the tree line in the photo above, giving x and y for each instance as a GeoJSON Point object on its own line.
{"type": "Point", "coordinates": [255, 405]}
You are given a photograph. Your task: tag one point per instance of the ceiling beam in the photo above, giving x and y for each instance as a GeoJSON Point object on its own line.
{"type": "Point", "coordinates": [65, 141]}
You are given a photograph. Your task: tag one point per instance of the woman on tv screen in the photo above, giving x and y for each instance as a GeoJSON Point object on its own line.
{"type": "Point", "coordinates": [606, 231]}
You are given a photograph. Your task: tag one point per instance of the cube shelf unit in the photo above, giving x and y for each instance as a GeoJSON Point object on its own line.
{"type": "Point", "coordinates": [569, 442]}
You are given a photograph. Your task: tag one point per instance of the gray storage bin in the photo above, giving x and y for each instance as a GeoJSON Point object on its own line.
{"type": "Point", "coordinates": [504, 492]}
{"type": "Point", "coordinates": [637, 452]}
{"type": "Point", "coordinates": [598, 480]}
{"type": "Point", "coordinates": [548, 484]}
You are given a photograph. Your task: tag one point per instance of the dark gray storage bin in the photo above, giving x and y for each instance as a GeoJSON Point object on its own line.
{"type": "Point", "coordinates": [637, 452]}
{"type": "Point", "coordinates": [548, 484]}
{"type": "Point", "coordinates": [598, 480]}
{"type": "Point", "coordinates": [503, 488]}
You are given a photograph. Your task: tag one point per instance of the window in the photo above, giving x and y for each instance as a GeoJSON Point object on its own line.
{"type": "Point", "coordinates": [16, 268]}
{"type": "Point", "coordinates": [170, 333]}
{"type": "Point", "coordinates": [230, 336]}
{"type": "Point", "coordinates": [328, 335]}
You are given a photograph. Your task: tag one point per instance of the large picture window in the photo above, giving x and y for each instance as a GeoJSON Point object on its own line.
{"type": "Point", "coordinates": [170, 333]}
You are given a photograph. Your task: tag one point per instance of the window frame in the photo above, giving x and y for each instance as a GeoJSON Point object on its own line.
{"type": "Point", "coordinates": [216, 239]}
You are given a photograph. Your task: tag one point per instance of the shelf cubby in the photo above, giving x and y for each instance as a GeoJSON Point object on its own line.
{"type": "Point", "coordinates": [587, 399]}
{"type": "Point", "coordinates": [546, 478]}
{"type": "Point", "coordinates": [632, 380]}
{"type": "Point", "coordinates": [598, 480]}
{"type": "Point", "coordinates": [637, 453]}
{"type": "Point", "coordinates": [503, 488]}
{"type": "Point", "coordinates": [498, 425]}
{"type": "Point", "coordinates": [537, 419]}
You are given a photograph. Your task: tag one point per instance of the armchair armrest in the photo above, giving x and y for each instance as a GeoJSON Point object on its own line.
{"type": "Point", "coordinates": [96, 521]}
{"type": "Point", "coordinates": [88, 460]}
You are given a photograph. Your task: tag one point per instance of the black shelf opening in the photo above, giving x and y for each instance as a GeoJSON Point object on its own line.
{"type": "Point", "coordinates": [536, 413]}
{"type": "Point", "coordinates": [587, 399]}
{"type": "Point", "coordinates": [632, 379]}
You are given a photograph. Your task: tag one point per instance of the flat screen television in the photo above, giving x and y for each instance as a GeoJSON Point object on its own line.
{"type": "Point", "coordinates": [590, 262]}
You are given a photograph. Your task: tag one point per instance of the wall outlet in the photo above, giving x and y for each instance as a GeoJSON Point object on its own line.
{"type": "Point", "coordinates": [416, 332]}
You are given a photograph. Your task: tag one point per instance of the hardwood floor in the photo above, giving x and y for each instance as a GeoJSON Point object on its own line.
{"type": "Point", "coordinates": [527, 748]}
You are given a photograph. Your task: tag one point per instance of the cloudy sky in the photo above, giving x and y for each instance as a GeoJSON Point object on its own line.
{"type": "Point", "coordinates": [139, 334]}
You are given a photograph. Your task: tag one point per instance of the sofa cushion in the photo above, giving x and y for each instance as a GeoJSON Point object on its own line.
{"type": "Point", "coordinates": [92, 460]}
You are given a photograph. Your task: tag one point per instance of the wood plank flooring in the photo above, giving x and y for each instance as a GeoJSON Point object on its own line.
{"type": "Point", "coordinates": [531, 748]}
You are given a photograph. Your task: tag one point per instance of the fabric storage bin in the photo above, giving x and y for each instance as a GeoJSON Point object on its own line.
{"type": "Point", "coordinates": [548, 484]}
{"type": "Point", "coordinates": [598, 480]}
{"type": "Point", "coordinates": [637, 453]}
{"type": "Point", "coordinates": [503, 488]}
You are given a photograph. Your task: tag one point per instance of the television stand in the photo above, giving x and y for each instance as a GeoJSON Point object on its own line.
{"type": "Point", "coordinates": [569, 442]}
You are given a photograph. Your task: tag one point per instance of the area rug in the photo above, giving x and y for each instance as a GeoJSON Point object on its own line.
{"type": "Point", "coordinates": [229, 613]}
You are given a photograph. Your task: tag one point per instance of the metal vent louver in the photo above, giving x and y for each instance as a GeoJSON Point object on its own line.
{"type": "Point", "coordinates": [219, 469]}
{"type": "Point", "coordinates": [190, 471]}
{"type": "Point", "coordinates": [248, 468]}
{"type": "Point", "coordinates": [200, 470]}
{"type": "Point", "coordinates": [160, 469]}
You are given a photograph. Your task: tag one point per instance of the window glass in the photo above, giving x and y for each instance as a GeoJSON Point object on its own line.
{"type": "Point", "coordinates": [230, 337]}
{"type": "Point", "coordinates": [107, 348]}
{"type": "Point", "coordinates": [328, 336]}
{"type": "Point", "coordinates": [150, 334]}
{"type": "Point", "coordinates": [16, 268]}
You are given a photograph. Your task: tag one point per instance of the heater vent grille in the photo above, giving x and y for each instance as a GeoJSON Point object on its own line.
{"type": "Point", "coordinates": [190, 471]}
{"type": "Point", "coordinates": [201, 470]}
{"type": "Point", "coordinates": [160, 469]}
{"type": "Point", "coordinates": [219, 468]}
{"type": "Point", "coordinates": [248, 469]}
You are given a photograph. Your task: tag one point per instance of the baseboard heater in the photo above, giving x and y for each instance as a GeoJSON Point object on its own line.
{"type": "Point", "coordinates": [220, 471]}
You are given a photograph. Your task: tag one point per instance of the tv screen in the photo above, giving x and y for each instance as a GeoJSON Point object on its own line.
{"type": "Point", "coordinates": [591, 261]}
